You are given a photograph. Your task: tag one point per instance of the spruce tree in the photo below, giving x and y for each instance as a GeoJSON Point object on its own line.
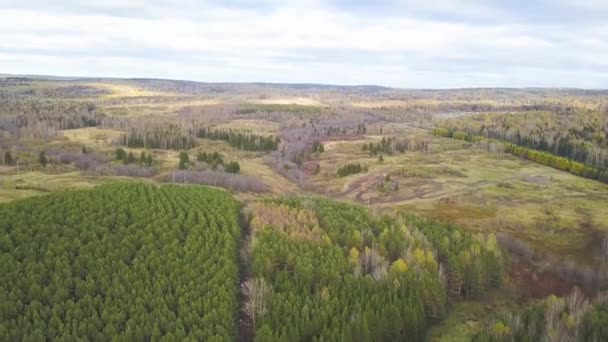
{"type": "Point", "coordinates": [42, 159]}
{"type": "Point", "coordinates": [130, 158]}
{"type": "Point", "coordinates": [121, 154]}
{"type": "Point", "coordinates": [8, 158]}
{"type": "Point", "coordinates": [184, 160]}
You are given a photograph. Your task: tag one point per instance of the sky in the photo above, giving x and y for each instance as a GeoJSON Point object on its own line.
{"type": "Point", "coordinates": [406, 44]}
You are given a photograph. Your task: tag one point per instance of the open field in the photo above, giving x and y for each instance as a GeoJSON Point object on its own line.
{"type": "Point", "coordinates": [262, 127]}
{"type": "Point", "coordinates": [91, 137]}
{"type": "Point", "coordinates": [480, 190]}
{"type": "Point", "coordinates": [302, 101]}
{"type": "Point", "coordinates": [29, 184]}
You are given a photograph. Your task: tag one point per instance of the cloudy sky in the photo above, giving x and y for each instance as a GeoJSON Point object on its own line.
{"type": "Point", "coordinates": [411, 44]}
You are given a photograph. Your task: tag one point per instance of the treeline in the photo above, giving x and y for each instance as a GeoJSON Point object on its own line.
{"type": "Point", "coordinates": [325, 270]}
{"type": "Point", "coordinates": [541, 157]}
{"type": "Point", "coordinates": [581, 135]}
{"type": "Point", "coordinates": [293, 108]}
{"type": "Point", "coordinates": [129, 262]}
{"type": "Point", "coordinates": [350, 169]}
{"type": "Point", "coordinates": [241, 141]}
{"type": "Point", "coordinates": [442, 132]}
{"type": "Point", "coordinates": [391, 145]}
{"type": "Point", "coordinates": [98, 165]}
{"type": "Point", "coordinates": [180, 137]}
{"type": "Point", "coordinates": [229, 181]}
{"type": "Point", "coordinates": [170, 137]}
{"type": "Point", "coordinates": [129, 158]}
{"type": "Point", "coordinates": [210, 160]}
{"type": "Point", "coordinates": [559, 163]}
{"type": "Point", "coordinates": [573, 318]}
{"type": "Point", "coordinates": [42, 119]}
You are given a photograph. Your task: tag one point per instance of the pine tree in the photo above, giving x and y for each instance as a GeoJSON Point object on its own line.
{"type": "Point", "coordinates": [8, 158]}
{"type": "Point", "coordinates": [184, 160]}
{"type": "Point", "coordinates": [130, 158]}
{"type": "Point", "coordinates": [121, 154]}
{"type": "Point", "coordinates": [42, 159]}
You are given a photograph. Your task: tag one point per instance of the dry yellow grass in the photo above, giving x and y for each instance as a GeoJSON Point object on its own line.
{"type": "Point", "coordinates": [482, 191]}
{"type": "Point", "coordinates": [302, 101]}
{"type": "Point", "coordinates": [261, 127]}
{"type": "Point", "coordinates": [92, 136]}
{"type": "Point", "coordinates": [15, 186]}
{"type": "Point", "coordinates": [125, 90]}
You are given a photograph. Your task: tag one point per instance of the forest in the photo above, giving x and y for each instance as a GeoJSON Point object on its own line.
{"type": "Point", "coordinates": [123, 261]}
{"type": "Point", "coordinates": [329, 271]}
{"type": "Point", "coordinates": [570, 318]}
{"type": "Point", "coordinates": [580, 135]}
{"type": "Point", "coordinates": [129, 261]}
{"type": "Point", "coordinates": [247, 142]}
{"type": "Point", "coordinates": [535, 155]}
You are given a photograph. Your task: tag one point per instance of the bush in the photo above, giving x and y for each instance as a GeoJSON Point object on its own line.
{"type": "Point", "coordinates": [349, 169]}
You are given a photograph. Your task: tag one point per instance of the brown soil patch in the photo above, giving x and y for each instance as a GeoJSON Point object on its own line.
{"type": "Point", "coordinates": [534, 284]}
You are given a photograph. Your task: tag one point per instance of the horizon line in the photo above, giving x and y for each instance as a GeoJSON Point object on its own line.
{"type": "Point", "coordinates": [84, 78]}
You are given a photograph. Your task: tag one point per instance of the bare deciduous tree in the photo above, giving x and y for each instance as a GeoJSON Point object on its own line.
{"type": "Point", "coordinates": [256, 292]}
{"type": "Point", "coordinates": [221, 179]}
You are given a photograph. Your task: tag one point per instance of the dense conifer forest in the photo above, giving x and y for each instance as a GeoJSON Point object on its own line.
{"type": "Point", "coordinates": [121, 262]}
{"type": "Point", "coordinates": [241, 141]}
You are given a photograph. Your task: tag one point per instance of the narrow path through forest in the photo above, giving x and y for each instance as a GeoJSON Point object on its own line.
{"type": "Point", "coordinates": [245, 331]}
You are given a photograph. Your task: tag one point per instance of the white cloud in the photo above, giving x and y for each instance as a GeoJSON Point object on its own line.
{"type": "Point", "coordinates": [290, 42]}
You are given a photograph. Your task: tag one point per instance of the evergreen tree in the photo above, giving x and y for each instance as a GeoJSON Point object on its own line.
{"type": "Point", "coordinates": [184, 160]}
{"type": "Point", "coordinates": [42, 159]}
{"type": "Point", "coordinates": [8, 158]}
{"type": "Point", "coordinates": [349, 169]}
{"type": "Point", "coordinates": [233, 167]}
{"type": "Point", "coordinates": [121, 154]}
{"type": "Point", "coordinates": [185, 290]}
{"type": "Point", "coordinates": [130, 158]}
{"type": "Point", "coordinates": [317, 147]}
